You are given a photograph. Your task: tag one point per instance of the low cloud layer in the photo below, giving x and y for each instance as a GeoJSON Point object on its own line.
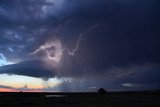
{"type": "Point", "coordinates": [29, 68]}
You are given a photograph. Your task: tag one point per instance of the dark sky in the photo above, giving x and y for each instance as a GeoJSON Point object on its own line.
{"type": "Point", "coordinates": [116, 42]}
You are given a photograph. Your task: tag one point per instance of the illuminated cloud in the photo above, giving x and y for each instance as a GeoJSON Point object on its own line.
{"type": "Point", "coordinates": [131, 85]}
{"type": "Point", "coordinates": [3, 61]}
{"type": "Point", "coordinates": [51, 52]}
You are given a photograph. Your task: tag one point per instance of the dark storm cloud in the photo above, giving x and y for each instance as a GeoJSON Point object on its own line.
{"type": "Point", "coordinates": [138, 77]}
{"type": "Point", "coordinates": [131, 36]}
{"type": "Point", "coordinates": [7, 87]}
{"type": "Point", "coordinates": [29, 68]}
{"type": "Point", "coordinates": [127, 35]}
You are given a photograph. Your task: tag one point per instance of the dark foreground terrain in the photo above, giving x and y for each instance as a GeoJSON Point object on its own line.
{"type": "Point", "coordinates": [111, 99]}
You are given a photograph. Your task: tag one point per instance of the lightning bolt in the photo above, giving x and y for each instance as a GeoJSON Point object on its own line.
{"type": "Point", "coordinates": [54, 61]}
{"type": "Point", "coordinates": [80, 39]}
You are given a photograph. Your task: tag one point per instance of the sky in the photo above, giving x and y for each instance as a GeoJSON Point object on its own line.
{"type": "Point", "coordinates": [79, 45]}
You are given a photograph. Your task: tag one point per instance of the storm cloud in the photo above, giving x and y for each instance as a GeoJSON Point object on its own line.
{"type": "Point", "coordinates": [124, 45]}
{"type": "Point", "coordinates": [29, 68]}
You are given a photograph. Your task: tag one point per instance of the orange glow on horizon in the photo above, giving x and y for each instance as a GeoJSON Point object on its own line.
{"type": "Point", "coordinates": [12, 90]}
{"type": "Point", "coordinates": [7, 90]}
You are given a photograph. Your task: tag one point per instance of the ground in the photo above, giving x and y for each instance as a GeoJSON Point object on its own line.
{"type": "Point", "coordinates": [110, 99]}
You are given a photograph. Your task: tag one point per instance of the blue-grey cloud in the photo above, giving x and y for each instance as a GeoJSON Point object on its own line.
{"type": "Point", "coordinates": [127, 35]}
{"type": "Point", "coordinates": [29, 68]}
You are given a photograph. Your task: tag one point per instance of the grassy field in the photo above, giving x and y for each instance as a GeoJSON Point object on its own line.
{"type": "Point", "coordinates": [111, 99]}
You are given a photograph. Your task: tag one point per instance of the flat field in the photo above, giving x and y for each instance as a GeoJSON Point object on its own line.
{"type": "Point", "coordinates": [80, 99]}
